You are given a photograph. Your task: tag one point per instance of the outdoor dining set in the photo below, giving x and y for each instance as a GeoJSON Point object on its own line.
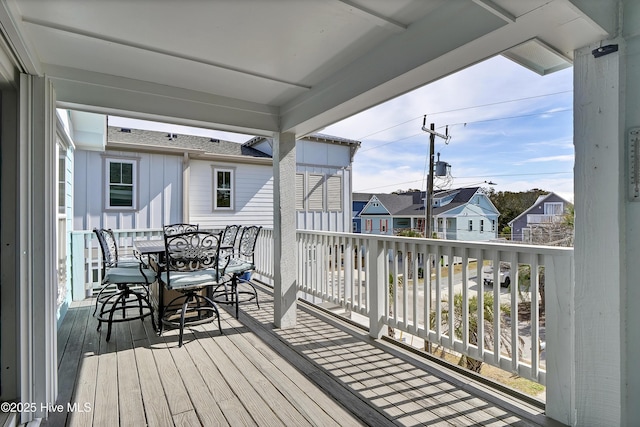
{"type": "Point", "coordinates": [178, 280]}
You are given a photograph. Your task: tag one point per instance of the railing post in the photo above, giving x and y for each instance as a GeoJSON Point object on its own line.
{"type": "Point", "coordinates": [560, 342]}
{"type": "Point", "coordinates": [377, 288]}
{"type": "Point", "coordinates": [78, 285]}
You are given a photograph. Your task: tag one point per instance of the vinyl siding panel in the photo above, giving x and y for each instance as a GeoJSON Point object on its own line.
{"type": "Point", "coordinates": [253, 195]}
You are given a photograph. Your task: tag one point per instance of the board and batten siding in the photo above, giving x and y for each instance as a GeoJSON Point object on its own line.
{"type": "Point", "coordinates": [159, 191]}
{"type": "Point", "coordinates": [321, 211]}
{"type": "Point", "coordinates": [252, 195]}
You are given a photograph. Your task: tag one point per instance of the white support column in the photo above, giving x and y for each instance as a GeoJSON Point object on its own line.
{"type": "Point", "coordinates": [284, 230]}
{"type": "Point", "coordinates": [38, 248]}
{"type": "Point", "coordinates": [599, 236]}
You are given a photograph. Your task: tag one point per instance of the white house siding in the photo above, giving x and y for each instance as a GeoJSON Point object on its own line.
{"type": "Point", "coordinates": [253, 195]}
{"type": "Point", "coordinates": [316, 158]}
{"type": "Point", "coordinates": [159, 186]}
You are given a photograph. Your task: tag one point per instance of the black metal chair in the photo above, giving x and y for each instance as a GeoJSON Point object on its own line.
{"type": "Point", "coordinates": [128, 283]}
{"type": "Point", "coordinates": [239, 270]}
{"type": "Point", "coordinates": [180, 228]}
{"type": "Point", "coordinates": [229, 236]}
{"type": "Point", "coordinates": [193, 263]}
{"type": "Point", "coordinates": [110, 259]}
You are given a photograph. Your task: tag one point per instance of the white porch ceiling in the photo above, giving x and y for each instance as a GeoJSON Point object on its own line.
{"type": "Point", "coordinates": [265, 66]}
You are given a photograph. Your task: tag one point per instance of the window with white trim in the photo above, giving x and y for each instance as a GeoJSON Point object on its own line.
{"type": "Point", "coordinates": [223, 189]}
{"type": "Point", "coordinates": [368, 224]}
{"type": "Point", "coordinates": [482, 225]}
{"type": "Point", "coordinates": [470, 225]}
{"type": "Point", "coordinates": [121, 184]}
{"type": "Point", "coordinates": [383, 225]}
{"type": "Point", "coordinates": [553, 208]}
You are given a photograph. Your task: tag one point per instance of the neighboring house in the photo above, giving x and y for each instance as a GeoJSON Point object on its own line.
{"type": "Point", "coordinates": [360, 200]}
{"type": "Point", "coordinates": [464, 214]}
{"type": "Point", "coordinates": [543, 222]}
{"type": "Point", "coordinates": [459, 214]}
{"type": "Point", "coordinates": [144, 179]}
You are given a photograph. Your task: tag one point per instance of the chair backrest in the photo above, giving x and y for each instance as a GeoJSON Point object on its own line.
{"type": "Point", "coordinates": [229, 236]}
{"type": "Point", "coordinates": [247, 243]}
{"type": "Point", "coordinates": [180, 228]}
{"type": "Point", "coordinates": [193, 251]}
{"type": "Point", "coordinates": [108, 246]}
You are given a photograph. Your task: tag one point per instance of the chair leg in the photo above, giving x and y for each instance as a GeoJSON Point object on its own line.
{"type": "Point", "coordinates": [214, 307]}
{"type": "Point", "coordinates": [123, 299]}
{"type": "Point", "coordinates": [182, 316]}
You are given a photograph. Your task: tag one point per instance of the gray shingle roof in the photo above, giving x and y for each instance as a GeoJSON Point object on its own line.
{"type": "Point", "coordinates": [411, 204]}
{"type": "Point", "coordinates": [187, 142]}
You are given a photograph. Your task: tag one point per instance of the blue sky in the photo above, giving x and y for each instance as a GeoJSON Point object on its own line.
{"type": "Point", "coordinates": [519, 135]}
{"type": "Point", "coordinates": [507, 124]}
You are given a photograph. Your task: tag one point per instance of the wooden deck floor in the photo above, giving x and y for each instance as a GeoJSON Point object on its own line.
{"type": "Point", "coordinates": [324, 372]}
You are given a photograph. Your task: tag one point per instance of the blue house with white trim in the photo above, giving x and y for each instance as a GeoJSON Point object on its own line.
{"type": "Point", "coordinates": [457, 214]}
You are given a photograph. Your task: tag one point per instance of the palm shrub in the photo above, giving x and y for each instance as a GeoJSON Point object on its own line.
{"type": "Point", "coordinates": [504, 340]}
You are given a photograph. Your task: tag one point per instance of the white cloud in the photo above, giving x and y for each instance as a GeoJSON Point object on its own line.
{"type": "Point", "coordinates": [512, 129]}
{"type": "Point", "coordinates": [561, 158]}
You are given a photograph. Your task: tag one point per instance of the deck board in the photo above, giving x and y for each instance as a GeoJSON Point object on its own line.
{"type": "Point", "coordinates": [322, 372]}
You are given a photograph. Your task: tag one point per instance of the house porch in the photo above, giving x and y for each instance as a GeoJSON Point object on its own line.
{"type": "Point", "coordinates": [324, 371]}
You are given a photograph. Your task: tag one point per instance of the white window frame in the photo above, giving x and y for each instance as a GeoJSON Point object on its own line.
{"type": "Point", "coordinates": [107, 183]}
{"type": "Point", "coordinates": [482, 225]}
{"type": "Point", "coordinates": [368, 225]}
{"type": "Point", "coordinates": [553, 208]}
{"type": "Point", "coordinates": [384, 225]}
{"type": "Point", "coordinates": [470, 225]}
{"type": "Point", "coordinates": [231, 189]}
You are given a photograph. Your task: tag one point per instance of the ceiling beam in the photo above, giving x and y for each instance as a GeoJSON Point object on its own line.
{"type": "Point", "coordinates": [372, 16]}
{"type": "Point", "coordinates": [370, 80]}
{"type": "Point", "coordinates": [496, 10]}
{"type": "Point", "coordinates": [165, 52]}
{"type": "Point", "coordinates": [114, 95]}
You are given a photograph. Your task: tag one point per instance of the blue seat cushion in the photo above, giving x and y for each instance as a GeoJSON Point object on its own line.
{"type": "Point", "coordinates": [128, 275]}
{"type": "Point", "coordinates": [189, 279]}
{"type": "Point", "coordinates": [238, 266]}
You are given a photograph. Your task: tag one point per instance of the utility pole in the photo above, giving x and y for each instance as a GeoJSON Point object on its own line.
{"type": "Point", "coordinates": [428, 209]}
{"type": "Point", "coordinates": [432, 140]}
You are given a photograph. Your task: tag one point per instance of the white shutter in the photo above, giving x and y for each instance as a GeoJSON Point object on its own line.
{"type": "Point", "coordinates": [300, 191]}
{"type": "Point", "coordinates": [334, 193]}
{"type": "Point", "coordinates": [315, 197]}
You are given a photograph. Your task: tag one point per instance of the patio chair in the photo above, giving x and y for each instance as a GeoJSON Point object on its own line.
{"type": "Point", "coordinates": [110, 258]}
{"type": "Point", "coordinates": [131, 279]}
{"type": "Point", "coordinates": [229, 236]}
{"type": "Point", "coordinates": [239, 270]}
{"type": "Point", "coordinates": [180, 228]}
{"type": "Point", "coordinates": [193, 263]}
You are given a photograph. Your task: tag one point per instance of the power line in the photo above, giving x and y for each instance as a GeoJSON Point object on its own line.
{"type": "Point", "coordinates": [466, 123]}
{"type": "Point", "coordinates": [467, 108]}
{"type": "Point", "coordinates": [463, 177]}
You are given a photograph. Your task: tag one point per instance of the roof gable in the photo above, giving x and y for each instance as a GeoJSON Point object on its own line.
{"type": "Point", "coordinates": [539, 201]}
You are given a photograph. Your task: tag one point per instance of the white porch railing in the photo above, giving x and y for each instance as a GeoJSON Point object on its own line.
{"type": "Point", "coordinates": [544, 219]}
{"type": "Point", "coordinates": [407, 283]}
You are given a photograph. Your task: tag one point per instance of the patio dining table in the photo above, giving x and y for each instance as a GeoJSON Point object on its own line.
{"type": "Point", "coordinates": [159, 296]}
